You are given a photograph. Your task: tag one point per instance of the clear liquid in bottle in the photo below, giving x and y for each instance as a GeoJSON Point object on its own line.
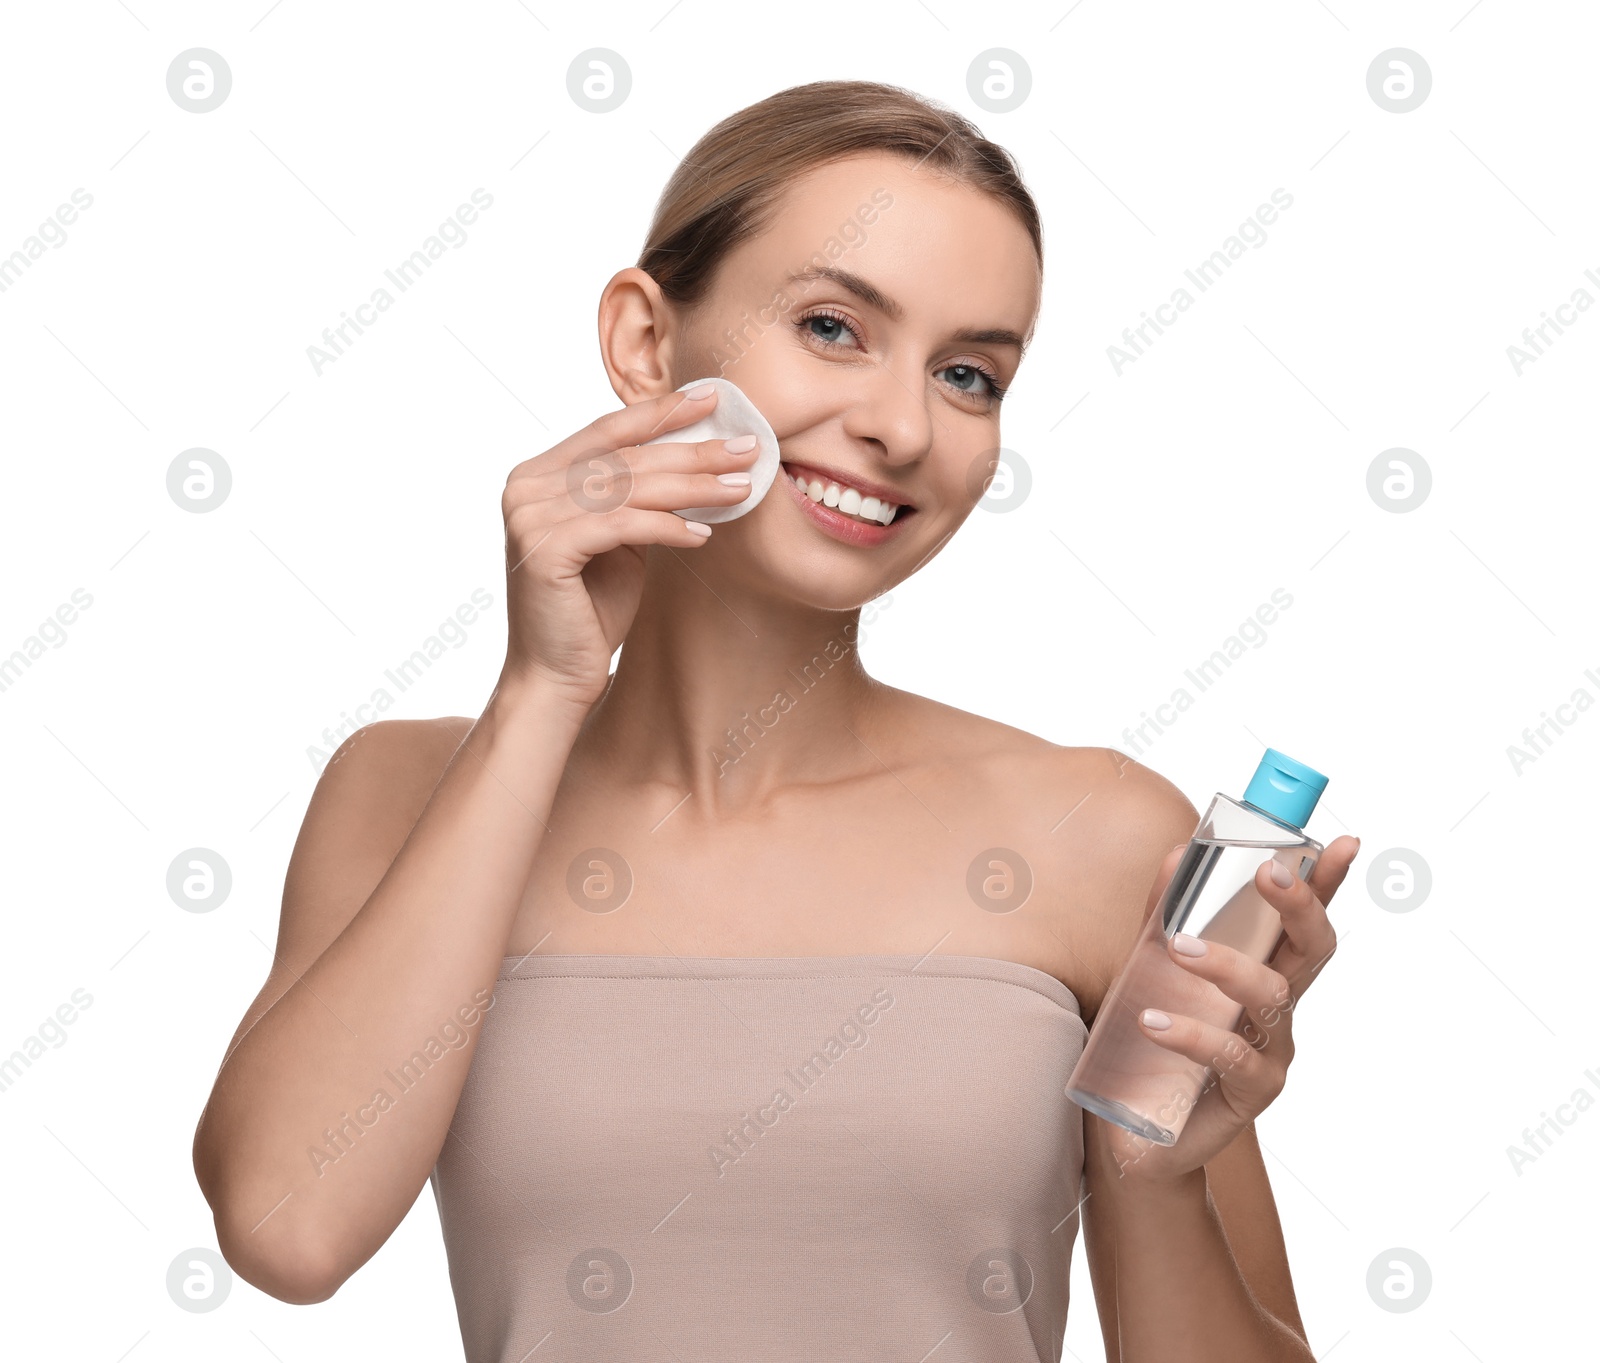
{"type": "Point", "coordinates": [1125, 1077]}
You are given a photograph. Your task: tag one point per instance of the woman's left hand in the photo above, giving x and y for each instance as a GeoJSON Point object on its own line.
{"type": "Point", "coordinates": [1249, 1064]}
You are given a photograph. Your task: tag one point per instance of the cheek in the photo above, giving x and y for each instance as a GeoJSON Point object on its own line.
{"type": "Point", "coordinates": [978, 473]}
{"type": "Point", "coordinates": [793, 397]}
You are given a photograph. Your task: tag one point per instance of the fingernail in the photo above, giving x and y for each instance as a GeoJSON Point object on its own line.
{"type": "Point", "coordinates": [705, 390]}
{"type": "Point", "coordinates": [1186, 945]}
{"type": "Point", "coordinates": [1155, 1020]}
{"type": "Point", "coordinates": [1281, 875]}
{"type": "Point", "coordinates": [698, 527]}
{"type": "Point", "coordinates": [740, 444]}
{"type": "Point", "coordinates": [734, 479]}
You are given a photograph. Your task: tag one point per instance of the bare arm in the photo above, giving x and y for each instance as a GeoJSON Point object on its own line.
{"type": "Point", "coordinates": [1212, 1251]}
{"type": "Point", "coordinates": [395, 920]}
{"type": "Point", "coordinates": [362, 981]}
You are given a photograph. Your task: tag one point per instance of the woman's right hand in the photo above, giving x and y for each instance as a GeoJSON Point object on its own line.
{"type": "Point", "coordinates": [578, 519]}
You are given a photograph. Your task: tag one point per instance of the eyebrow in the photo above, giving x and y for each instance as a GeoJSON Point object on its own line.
{"type": "Point", "coordinates": [875, 297]}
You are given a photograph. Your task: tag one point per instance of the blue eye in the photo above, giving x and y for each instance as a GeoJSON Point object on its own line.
{"type": "Point", "coordinates": [967, 374]}
{"type": "Point", "coordinates": [827, 320]}
{"type": "Point", "coordinates": [829, 328]}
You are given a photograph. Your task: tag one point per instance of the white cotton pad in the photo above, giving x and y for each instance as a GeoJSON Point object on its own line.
{"type": "Point", "coordinates": [733, 415]}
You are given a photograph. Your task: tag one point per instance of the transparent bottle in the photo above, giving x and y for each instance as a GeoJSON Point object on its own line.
{"type": "Point", "coordinates": [1122, 1075]}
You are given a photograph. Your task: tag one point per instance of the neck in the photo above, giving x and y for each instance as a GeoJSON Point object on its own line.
{"type": "Point", "coordinates": [727, 695]}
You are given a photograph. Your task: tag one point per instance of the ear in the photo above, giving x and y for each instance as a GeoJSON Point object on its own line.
{"type": "Point", "coordinates": [637, 326]}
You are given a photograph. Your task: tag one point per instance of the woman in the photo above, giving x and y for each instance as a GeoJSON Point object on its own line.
{"type": "Point", "coordinates": [777, 1043]}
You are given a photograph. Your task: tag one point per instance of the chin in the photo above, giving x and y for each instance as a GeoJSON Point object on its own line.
{"type": "Point", "coordinates": [794, 563]}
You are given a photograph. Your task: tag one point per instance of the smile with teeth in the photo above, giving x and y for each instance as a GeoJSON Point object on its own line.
{"type": "Point", "coordinates": [843, 498]}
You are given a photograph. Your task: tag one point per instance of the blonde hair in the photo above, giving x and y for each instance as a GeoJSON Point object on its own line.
{"type": "Point", "coordinates": [728, 187]}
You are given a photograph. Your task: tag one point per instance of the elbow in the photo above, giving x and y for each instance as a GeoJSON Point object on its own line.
{"type": "Point", "coordinates": [293, 1287]}
{"type": "Point", "coordinates": [296, 1287]}
{"type": "Point", "coordinates": [297, 1273]}
{"type": "Point", "coordinates": [270, 1257]}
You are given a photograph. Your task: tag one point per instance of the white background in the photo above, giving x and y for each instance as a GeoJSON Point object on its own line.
{"type": "Point", "coordinates": [1167, 503]}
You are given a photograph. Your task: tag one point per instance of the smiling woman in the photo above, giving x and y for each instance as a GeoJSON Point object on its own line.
{"type": "Point", "coordinates": [673, 937]}
{"type": "Point", "coordinates": [903, 348]}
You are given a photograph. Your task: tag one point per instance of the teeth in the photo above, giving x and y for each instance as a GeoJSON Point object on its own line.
{"type": "Point", "coordinates": [847, 499]}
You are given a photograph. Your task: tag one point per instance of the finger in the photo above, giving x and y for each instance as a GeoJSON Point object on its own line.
{"type": "Point", "coordinates": [634, 424]}
{"type": "Point", "coordinates": [1248, 982]}
{"type": "Point", "coordinates": [668, 491]}
{"type": "Point", "coordinates": [600, 479]}
{"type": "Point", "coordinates": [583, 537]}
{"type": "Point", "coordinates": [688, 453]}
{"type": "Point", "coordinates": [1265, 993]}
{"type": "Point", "coordinates": [601, 488]}
{"type": "Point", "coordinates": [1309, 938]}
{"type": "Point", "coordinates": [1332, 866]}
{"type": "Point", "coordinates": [1252, 1078]}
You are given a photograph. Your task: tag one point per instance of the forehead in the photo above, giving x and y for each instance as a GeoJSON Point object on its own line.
{"type": "Point", "coordinates": [946, 251]}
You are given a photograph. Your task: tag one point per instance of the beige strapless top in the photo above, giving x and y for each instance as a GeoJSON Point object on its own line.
{"type": "Point", "coordinates": [724, 1159]}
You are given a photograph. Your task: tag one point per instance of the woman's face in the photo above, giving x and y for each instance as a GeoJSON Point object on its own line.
{"type": "Point", "coordinates": [885, 370]}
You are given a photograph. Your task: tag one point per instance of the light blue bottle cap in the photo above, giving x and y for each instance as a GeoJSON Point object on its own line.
{"type": "Point", "coordinates": [1284, 788]}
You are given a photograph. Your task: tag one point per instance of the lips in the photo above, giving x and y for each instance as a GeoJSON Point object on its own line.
{"type": "Point", "coordinates": [834, 521]}
{"type": "Point", "coordinates": [853, 498]}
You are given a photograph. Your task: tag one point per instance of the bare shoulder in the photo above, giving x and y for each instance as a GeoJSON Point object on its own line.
{"type": "Point", "coordinates": [1128, 817]}
{"type": "Point", "coordinates": [381, 774]}
{"type": "Point", "coordinates": [940, 732]}
{"type": "Point", "coordinates": [1130, 808]}
{"type": "Point", "coordinates": [365, 804]}
{"type": "Point", "coordinates": [1094, 824]}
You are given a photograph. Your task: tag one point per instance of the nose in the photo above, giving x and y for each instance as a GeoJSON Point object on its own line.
{"type": "Point", "coordinates": [891, 411]}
